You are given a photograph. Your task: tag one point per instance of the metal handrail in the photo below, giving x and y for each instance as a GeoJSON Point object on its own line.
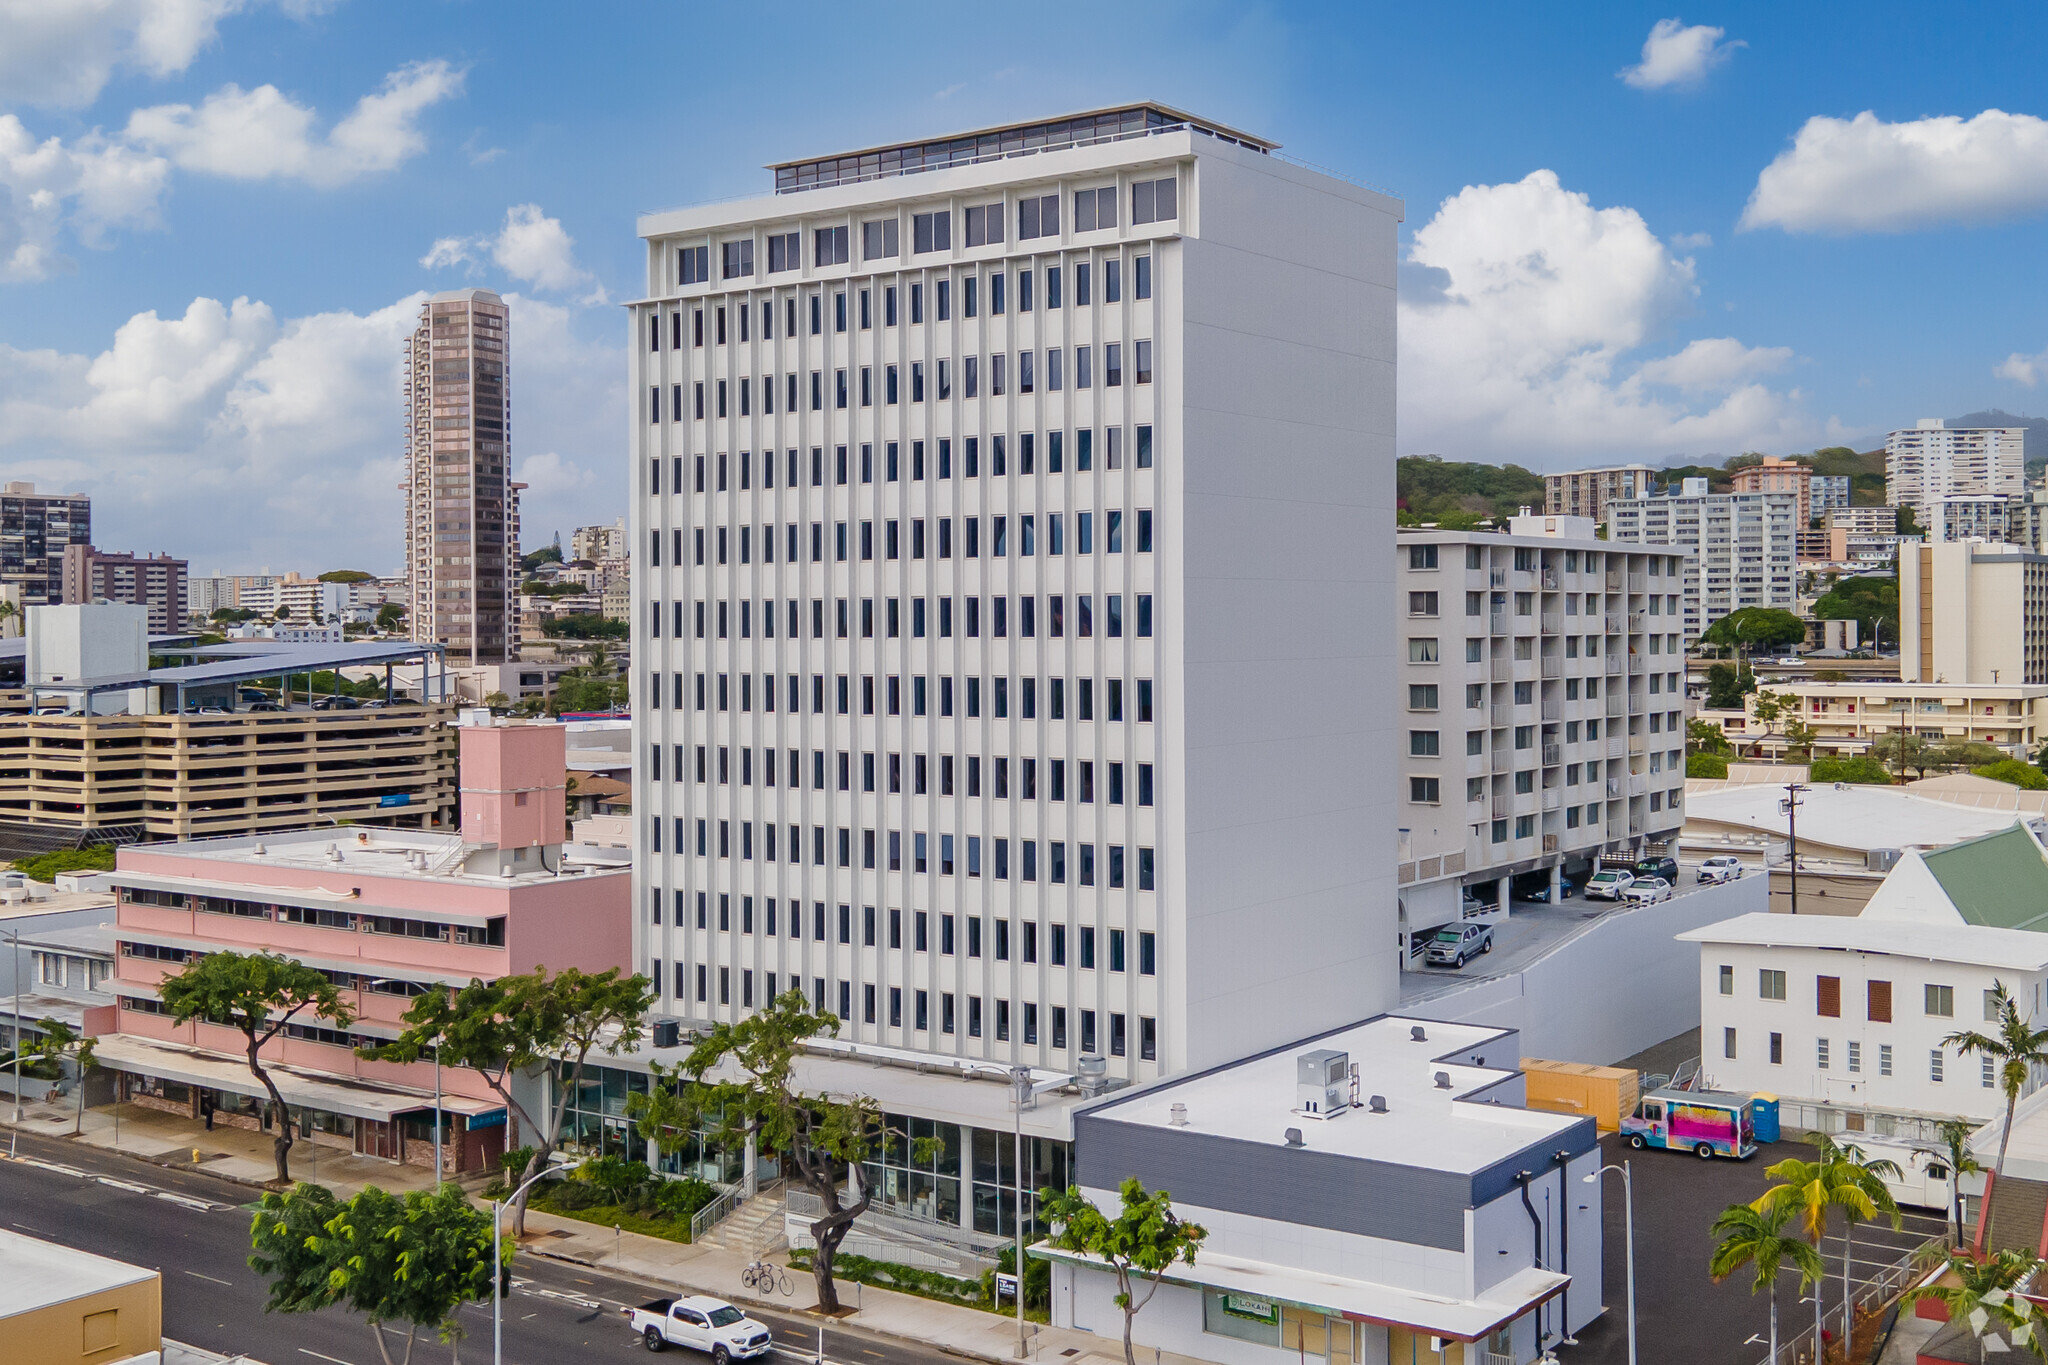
{"type": "Point", "coordinates": [708, 1217]}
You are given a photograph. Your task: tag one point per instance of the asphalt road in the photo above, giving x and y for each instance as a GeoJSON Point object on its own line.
{"type": "Point", "coordinates": [1684, 1318]}
{"type": "Point", "coordinates": [194, 1230]}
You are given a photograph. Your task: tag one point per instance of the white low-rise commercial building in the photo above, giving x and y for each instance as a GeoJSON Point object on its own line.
{"type": "Point", "coordinates": [1372, 1195]}
{"type": "Point", "coordinates": [1845, 1017]}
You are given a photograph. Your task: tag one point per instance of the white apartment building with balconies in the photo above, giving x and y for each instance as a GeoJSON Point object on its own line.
{"type": "Point", "coordinates": [1006, 592]}
{"type": "Point", "coordinates": [1543, 676]}
{"type": "Point", "coordinates": [1741, 549]}
{"type": "Point", "coordinates": [1931, 461]}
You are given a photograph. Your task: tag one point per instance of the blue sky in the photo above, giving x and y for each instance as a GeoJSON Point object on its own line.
{"type": "Point", "coordinates": [1629, 235]}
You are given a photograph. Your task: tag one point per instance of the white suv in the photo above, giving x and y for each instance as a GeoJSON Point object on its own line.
{"type": "Point", "coordinates": [1608, 884]}
{"type": "Point", "coordinates": [1722, 867]}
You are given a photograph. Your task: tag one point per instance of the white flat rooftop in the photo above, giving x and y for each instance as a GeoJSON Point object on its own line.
{"type": "Point", "coordinates": [1977, 945]}
{"type": "Point", "coordinates": [369, 850]}
{"type": "Point", "coordinates": [1855, 816]}
{"type": "Point", "coordinates": [37, 1274]}
{"type": "Point", "coordinates": [1456, 1129]}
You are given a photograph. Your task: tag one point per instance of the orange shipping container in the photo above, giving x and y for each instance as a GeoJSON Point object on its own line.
{"type": "Point", "coordinates": [1602, 1093]}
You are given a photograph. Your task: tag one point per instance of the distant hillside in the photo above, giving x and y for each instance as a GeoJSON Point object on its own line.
{"type": "Point", "coordinates": [1429, 487]}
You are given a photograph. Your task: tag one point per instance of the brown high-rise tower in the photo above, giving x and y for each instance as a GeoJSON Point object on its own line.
{"type": "Point", "coordinates": [461, 506]}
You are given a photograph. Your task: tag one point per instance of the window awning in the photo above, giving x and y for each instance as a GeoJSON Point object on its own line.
{"type": "Point", "coordinates": [300, 1086]}
{"type": "Point", "coordinates": [1361, 1300]}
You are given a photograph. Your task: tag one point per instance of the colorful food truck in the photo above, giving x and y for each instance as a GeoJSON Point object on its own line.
{"type": "Point", "coordinates": [1708, 1123]}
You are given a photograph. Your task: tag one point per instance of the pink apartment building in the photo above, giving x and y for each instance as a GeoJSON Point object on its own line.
{"type": "Point", "coordinates": [388, 914]}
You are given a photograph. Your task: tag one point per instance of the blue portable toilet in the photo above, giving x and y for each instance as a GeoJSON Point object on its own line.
{"type": "Point", "coordinates": [1764, 1111]}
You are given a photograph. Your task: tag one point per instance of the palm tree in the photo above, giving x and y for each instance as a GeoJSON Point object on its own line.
{"type": "Point", "coordinates": [1955, 1157]}
{"type": "Point", "coordinates": [2017, 1048]}
{"type": "Point", "coordinates": [1810, 1189]}
{"type": "Point", "coordinates": [1982, 1296]}
{"type": "Point", "coordinates": [1867, 1174]}
{"type": "Point", "coordinates": [1752, 1237]}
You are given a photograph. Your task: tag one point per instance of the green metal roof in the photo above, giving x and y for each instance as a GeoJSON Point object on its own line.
{"type": "Point", "coordinates": [1998, 880]}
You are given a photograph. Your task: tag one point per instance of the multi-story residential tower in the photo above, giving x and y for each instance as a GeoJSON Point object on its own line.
{"type": "Point", "coordinates": [154, 581]}
{"type": "Point", "coordinates": [1777, 475]}
{"type": "Point", "coordinates": [1931, 461]}
{"type": "Point", "coordinates": [1831, 492]}
{"type": "Point", "coordinates": [1009, 596]}
{"type": "Point", "coordinates": [1741, 549]}
{"type": "Point", "coordinates": [1544, 684]}
{"type": "Point", "coordinates": [461, 506]}
{"type": "Point", "coordinates": [596, 543]}
{"type": "Point", "coordinates": [1586, 492]}
{"type": "Point", "coordinates": [35, 528]}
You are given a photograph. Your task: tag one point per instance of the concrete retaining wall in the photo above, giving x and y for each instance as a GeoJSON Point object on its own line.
{"type": "Point", "coordinates": [1616, 987]}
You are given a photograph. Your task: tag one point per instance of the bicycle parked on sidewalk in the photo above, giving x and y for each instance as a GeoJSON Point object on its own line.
{"type": "Point", "coordinates": [765, 1276]}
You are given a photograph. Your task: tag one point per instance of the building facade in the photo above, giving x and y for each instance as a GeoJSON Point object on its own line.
{"type": "Point", "coordinates": [1586, 492]}
{"type": "Point", "coordinates": [421, 911]}
{"type": "Point", "coordinates": [35, 528]}
{"type": "Point", "coordinates": [1374, 1196]}
{"type": "Point", "coordinates": [1930, 461]}
{"type": "Point", "coordinates": [1973, 612]}
{"type": "Point", "coordinates": [154, 581]}
{"type": "Point", "coordinates": [975, 576]}
{"type": "Point", "coordinates": [1857, 717]}
{"type": "Point", "coordinates": [1779, 475]}
{"type": "Point", "coordinates": [1831, 492]}
{"type": "Point", "coordinates": [1543, 675]}
{"type": "Point", "coordinates": [598, 542]}
{"type": "Point", "coordinates": [461, 504]}
{"type": "Point", "coordinates": [1741, 549]}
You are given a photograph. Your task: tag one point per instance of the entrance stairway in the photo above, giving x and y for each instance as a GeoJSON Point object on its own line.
{"type": "Point", "coordinates": [755, 1227]}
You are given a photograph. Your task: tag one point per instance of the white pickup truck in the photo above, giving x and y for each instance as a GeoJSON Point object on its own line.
{"type": "Point", "coordinates": [703, 1324]}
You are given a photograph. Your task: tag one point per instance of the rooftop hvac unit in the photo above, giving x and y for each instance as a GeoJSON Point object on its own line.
{"type": "Point", "coordinates": [1322, 1083]}
{"type": "Point", "coordinates": [667, 1033]}
{"type": "Point", "coordinates": [1880, 859]}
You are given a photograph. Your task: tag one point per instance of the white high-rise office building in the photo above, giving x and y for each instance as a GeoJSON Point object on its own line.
{"type": "Point", "coordinates": [1014, 619]}
{"type": "Point", "coordinates": [1931, 461]}
{"type": "Point", "coordinates": [1741, 549]}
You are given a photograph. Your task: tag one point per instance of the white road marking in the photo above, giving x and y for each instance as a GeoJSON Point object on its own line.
{"type": "Point", "coordinates": [317, 1356]}
{"type": "Point", "coordinates": [197, 1276]}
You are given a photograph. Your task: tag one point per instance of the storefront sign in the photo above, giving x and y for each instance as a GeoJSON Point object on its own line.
{"type": "Point", "coordinates": [1253, 1310]}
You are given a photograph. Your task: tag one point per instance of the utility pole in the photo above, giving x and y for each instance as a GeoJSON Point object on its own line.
{"type": "Point", "coordinates": [1790, 805]}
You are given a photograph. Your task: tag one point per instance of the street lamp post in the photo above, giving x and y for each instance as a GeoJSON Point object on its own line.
{"type": "Point", "coordinates": [498, 1261]}
{"type": "Point", "coordinates": [1628, 1196]}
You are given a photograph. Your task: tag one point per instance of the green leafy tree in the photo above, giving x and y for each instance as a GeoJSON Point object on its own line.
{"type": "Point", "coordinates": [1767, 708]}
{"type": "Point", "coordinates": [515, 1024]}
{"type": "Point", "coordinates": [1799, 738]}
{"type": "Point", "coordinates": [1954, 1159]}
{"type": "Point", "coordinates": [1752, 628]}
{"type": "Point", "coordinates": [2022, 775]}
{"type": "Point", "coordinates": [2015, 1050]}
{"type": "Point", "coordinates": [1964, 753]}
{"type": "Point", "coordinates": [546, 554]}
{"type": "Point", "coordinates": [587, 626]}
{"type": "Point", "coordinates": [414, 1260]}
{"type": "Point", "coordinates": [1860, 1171]}
{"type": "Point", "coordinates": [1706, 737]}
{"type": "Point", "coordinates": [257, 994]}
{"type": "Point", "coordinates": [47, 867]}
{"type": "Point", "coordinates": [1905, 524]}
{"type": "Point", "coordinates": [740, 1081]}
{"type": "Point", "coordinates": [1141, 1242]}
{"type": "Point", "coordinates": [1706, 765]}
{"type": "Point", "coordinates": [1758, 1239]}
{"type": "Point", "coordinates": [59, 1042]}
{"type": "Point", "coordinates": [1983, 1298]}
{"type": "Point", "coordinates": [346, 576]}
{"type": "Point", "coordinates": [1812, 1189]}
{"type": "Point", "coordinates": [1871, 602]}
{"type": "Point", "coordinates": [1859, 768]}
{"type": "Point", "coordinates": [233, 616]}
{"type": "Point", "coordinates": [1431, 488]}
{"type": "Point", "coordinates": [1727, 685]}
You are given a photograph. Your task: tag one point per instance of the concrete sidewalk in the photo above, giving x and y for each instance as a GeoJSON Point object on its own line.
{"type": "Point", "coordinates": [716, 1271]}
{"type": "Point", "coordinates": [241, 1155]}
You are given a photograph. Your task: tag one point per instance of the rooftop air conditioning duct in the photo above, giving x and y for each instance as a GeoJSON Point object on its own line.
{"type": "Point", "coordinates": [1443, 1080]}
{"type": "Point", "coordinates": [1322, 1083]}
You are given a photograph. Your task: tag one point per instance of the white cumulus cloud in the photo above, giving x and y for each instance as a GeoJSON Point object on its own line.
{"type": "Point", "coordinates": [1867, 175]}
{"type": "Point", "coordinates": [1675, 54]}
{"type": "Point", "coordinates": [238, 439]}
{"type": "Point", "coordinates": [263, 134]}
{"type": "Point", "coordinates": [1527, 344]}
{"type": "Point", "coordinates": [531, 247]}
{"type": "Point", "coordinates": [47, 186]}
{"type": "Point", "coordinates": [2022, 369]}
{"type": "Point", "coordinates": [63, 52]}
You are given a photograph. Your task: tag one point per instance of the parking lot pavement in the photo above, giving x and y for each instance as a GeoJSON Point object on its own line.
{"type": "Point", "coordinates": [1684, 1318]}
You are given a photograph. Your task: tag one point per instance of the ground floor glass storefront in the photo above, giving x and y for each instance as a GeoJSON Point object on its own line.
{"type": "Point", "coordinates": [596, 1123]}
{"type": "Point", "coordinates": [932, 1189]}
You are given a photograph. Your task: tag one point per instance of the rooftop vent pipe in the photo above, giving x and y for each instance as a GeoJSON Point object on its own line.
{"type": "Point", "coordinates": [1443, 1080]}
{"type": "Point", "coordinates": [1292, 1137]}
{"type": "Point", "coordinates": [1177, 1116]}
{"type": "Point", "coordinates": [1417, 1035]}
{"type": "Point", "coordinates": [1377, 1104]}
